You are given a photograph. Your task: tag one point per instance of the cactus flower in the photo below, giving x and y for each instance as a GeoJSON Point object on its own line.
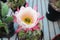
{"type": "Point", "coordinates": [27, 18]}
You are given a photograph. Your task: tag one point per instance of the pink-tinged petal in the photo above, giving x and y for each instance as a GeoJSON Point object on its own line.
{"type": "Point", "coordinates": [17, 9]}
{"type": "Point", "coordinates": [25, 30]}
{"type": "Point", "coordinates": [30, 29]}
{"type": "Point", "coordinates": [37, 22]}
{"type": "Point", "coordinates": [22, 8]}
{"type": "Point", "coordinates": [35, 8]}
{"type": "Point", "coordinates": [41, 18]}
{"type": "Point", "coordinates": [18, 30]}
{"type": "Point", "coordinates": [14, 19]}
{"type": "Point", "coordinates": [26, 4]}
{"type": "Point", "coordinates": [36, 27]}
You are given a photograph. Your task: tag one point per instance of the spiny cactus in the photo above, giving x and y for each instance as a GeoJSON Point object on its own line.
{"type": "Point", "coordinates": [15, 3]}
{"type": "Point", "coordinates": [57, 4]}
{"type": "Point", "coordinates": [30, 35]}
{"type": "Point", "coordinates": [4, 20]}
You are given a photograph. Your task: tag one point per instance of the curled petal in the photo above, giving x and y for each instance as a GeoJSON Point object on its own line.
{"type": "Point", "coordinates": [36, 27]}
{"type": "Point", "coordinates": [41, 18]}
{"type": "Point", "coordinates": [14, 19]}
{"type": "Point", "coordinates": [18, 30]}
{"type": "Point", "coordinates": [26, 4]}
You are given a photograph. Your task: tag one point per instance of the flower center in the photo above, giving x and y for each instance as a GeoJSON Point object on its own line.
{"type": "Point", "coordinates": [27, 20]}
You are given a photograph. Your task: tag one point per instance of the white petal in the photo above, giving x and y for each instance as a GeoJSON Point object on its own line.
{"type": "Point", "coordinates": [21, 12]}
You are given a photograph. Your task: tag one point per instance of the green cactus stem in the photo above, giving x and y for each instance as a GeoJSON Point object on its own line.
{"type": "Point", "coordinates": [58, 4]}
{"type": "Point", "coordinates": [9, 19]}
{"type": "Point", "coordinates": [4, 9]}
{"type": "Point", "coordinates": [15, 3]}
{"type": "Point", "coordinates": [0, 21]}
{"type": "Point", "coordinates": [5, 26]}
{"type": "Point", "coordinates": [4, 20]}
